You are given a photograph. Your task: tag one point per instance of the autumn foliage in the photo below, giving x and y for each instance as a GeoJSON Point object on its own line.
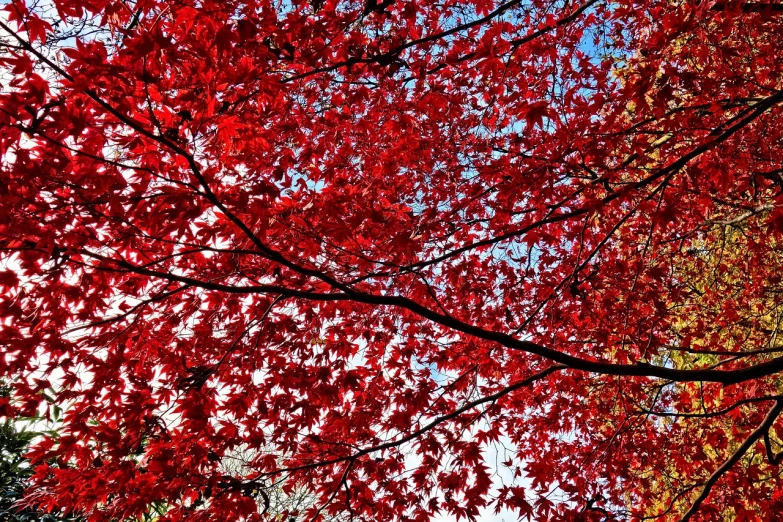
{"type": "Point", "coordinates": [416, 258]}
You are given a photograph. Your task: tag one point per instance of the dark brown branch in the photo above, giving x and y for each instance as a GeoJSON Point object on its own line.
{"type": "Point", "coordinates": [159, 297]}
{"type": "Point", "coordinates": [672, 168]}
{"type": "Point", "coordinates": [391, 54]}
{"type": "Point", "coordinates": [725, 377]}
{"type": "Point", "coordinates": [343, 482]}
{"type": "Point", "coordinates": [735, 457]}
{"type": "Point", "coordinates": [748, 7]}
{"type": "Point", "coordinates": [421, 431]}
{"type": "Point", "coordinates": [560, 23]}
{"type": "Point", "coordinates": [711, 414]}
{"type": "Point", "coordinates": [749, 353]}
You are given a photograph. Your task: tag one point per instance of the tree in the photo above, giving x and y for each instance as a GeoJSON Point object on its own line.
{"type": "Point", "coordinates": [15, 472]}
{"type": "Point", "coordinates": [279, 503]}
{"type": "Point", "coordinates": [16, 436]}
{"type": "Point", "coordinates": [375, 239]}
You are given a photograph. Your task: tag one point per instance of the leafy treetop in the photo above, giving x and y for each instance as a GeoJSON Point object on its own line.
{"type": "Point", "coordinates": [369, 241]}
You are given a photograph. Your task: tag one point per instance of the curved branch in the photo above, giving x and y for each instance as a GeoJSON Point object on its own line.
{"type": "Point", "coordinates": [774, 458]}
{"type": "Point", "coordinates": [421, 431]}
{"type": "Point", "coordinates": [711, 414]}
{"type": "Point", "coordinates": [383, 57]}
{"type": "Point", "coordinates": [759, 109]}
{"type": "Point", "coordinates": [735, 457]}
{"type": "Point", "coordinates": [725, 377]}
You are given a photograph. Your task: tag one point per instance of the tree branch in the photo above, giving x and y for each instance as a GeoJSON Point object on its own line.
{"type": "Point", "coordinates": [735, 457]}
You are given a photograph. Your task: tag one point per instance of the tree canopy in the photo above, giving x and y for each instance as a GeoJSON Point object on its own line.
{"type": "Point", "coordinates": [416, 259]}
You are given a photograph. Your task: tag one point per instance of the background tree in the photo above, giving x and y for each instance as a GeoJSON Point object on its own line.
{"type": "Point", "coordinates": [727, 303]}
{"type": "Point", "coordinates": [377, 239]}
{"type": "Point", "coordinates": [15, 472]}
{"type": "Point", "coordinates": [281, 501]}
{"type": "Point", "coordinates": [746, 320]}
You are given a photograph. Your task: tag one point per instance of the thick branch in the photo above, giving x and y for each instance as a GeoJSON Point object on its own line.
{"type": "Point", "coordinates": [725, 377]}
